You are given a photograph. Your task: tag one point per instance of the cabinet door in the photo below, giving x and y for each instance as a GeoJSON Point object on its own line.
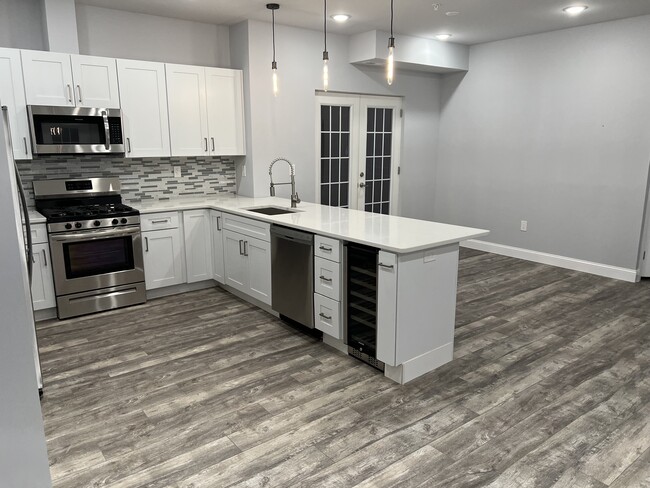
{"type": "Point", "coordinates": [42, 281]}
{"type": "Point", "coordinates": [387, 307]}
{"type": "Point", "coordinates": [258, 254]}
{"type": "Point", "coordinates": [48, 78]}
{"type": "Point", "coordinates": [217, 246]}
{"type": "Point", "coordinates": [224, 88]}
{"type": "Point", "coordinates": [188, 117]}
{"type": "Point", "coordinates": [198, 245]}
{"type": "Point", "coordinates": [95, 81]}
{"type": "Point", "coordinates": [163, 258]}
{"type": "Point", "coordinates": [12, 94]}
{"type": "Point", "coordinates": [143, 94]}
{"type": "Point", "coordinates": [236, 264]}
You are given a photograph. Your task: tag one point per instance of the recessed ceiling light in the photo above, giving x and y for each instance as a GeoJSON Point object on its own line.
{"type": "Point", "coordinates": [340, 17]}
{"type": "Point", "coordinates": [443, 37]}
{"type": "Point", "coordinates": [575, 9]}
{"type": "Point", "coordinates": [451, 14]}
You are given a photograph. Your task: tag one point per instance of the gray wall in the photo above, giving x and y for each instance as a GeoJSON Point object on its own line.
{"type": "Point", "coordinates": [553, 129]}
{"type": "Point", "coordinates": [120, 34]}
{"type": "Point", "coordinates": [21, 24]}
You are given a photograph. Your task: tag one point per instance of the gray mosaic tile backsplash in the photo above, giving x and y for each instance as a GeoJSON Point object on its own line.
{"type": "Point", "coordinates": [141, 178]}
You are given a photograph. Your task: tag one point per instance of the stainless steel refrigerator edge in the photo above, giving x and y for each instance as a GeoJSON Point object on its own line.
{"type": "Point", "coordinates": [23, 453]}
{"type": "Point", "coordinates": [292, 274]}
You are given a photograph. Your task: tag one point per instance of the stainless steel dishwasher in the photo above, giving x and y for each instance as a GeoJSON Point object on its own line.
{"type": "Point", "coordinates": [292, 274]}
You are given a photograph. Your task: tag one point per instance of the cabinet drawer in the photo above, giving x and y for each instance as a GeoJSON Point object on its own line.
{"type": "Point", "coordinates": [327, 248]}
{"type": "Point", "coordinates": [158, 221]}
{"type": "Point", "coordinates": [248, 227]}
{"type": "Point", "coordinates": [39, 234]}
{"type": "Point", "coordinates": [327, 315]}
{"type": "Point", "coordinates": [327, 278]}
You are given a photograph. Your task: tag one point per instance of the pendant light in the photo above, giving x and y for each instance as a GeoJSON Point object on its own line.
{"type": "Point", "coordinates": [274, 66]}
{"type": "Point", "coordinates": [326, 56]}
{"type": "Point", "coordinates": [390, 62]}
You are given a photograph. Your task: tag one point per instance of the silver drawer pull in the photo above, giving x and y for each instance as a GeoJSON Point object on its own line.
{"type": "Point", "coordinates": [325, 248]}
{"type": "Point", "coordinates": [323, 316]}
{"type": "Point", "coordinates": [44, 257]}
{"type": "Point", "coordinates": [325, 279]}
{"type": "Point", "coordinates": [387, 266]}
{"type": "Point", "coordinates": [160, 221]}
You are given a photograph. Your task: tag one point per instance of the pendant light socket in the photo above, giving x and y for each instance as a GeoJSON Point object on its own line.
{"type": "Point", "coordinates": [274, 65]}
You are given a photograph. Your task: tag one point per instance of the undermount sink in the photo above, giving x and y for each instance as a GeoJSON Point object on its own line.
{"type": "Point", "coordinates": [272, 210]}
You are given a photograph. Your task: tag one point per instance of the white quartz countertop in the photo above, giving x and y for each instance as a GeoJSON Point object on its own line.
{"type": "Point", "coordinates": [387, 232]}
{"type": "Point", "coordinates": [35, 217]}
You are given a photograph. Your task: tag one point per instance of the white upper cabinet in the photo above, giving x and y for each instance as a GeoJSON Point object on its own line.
{"type": "Point", "coordinates": [48, 78]}
{"type": "Point", "coordinates": [143, 94]}
{"type": "Point", "coordinates": [12, 94]}
{"type": "Point", "coordinates": [70, 80]}
{"type": "Point", "coordinates": [188, 116]}
{"type": "Point", "coordinates": [95, 81]}
{"type": "Point", "coordinates": [225, 99]}
{"type": "Point", "coordinates": [206, 111]}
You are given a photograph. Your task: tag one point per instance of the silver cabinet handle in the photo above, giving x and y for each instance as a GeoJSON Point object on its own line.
{"type": "Point", "coordinates": [44, 257]}
{"type": "Point", "coordinates": [387, 266]}
{"type": "Point", "coordinates": [323, 316]}
{"type": "Point", "coordinates": [325, 248]}
{"type": "Point", "coordinates": [212, 139]}
{"type": "Point", "coordinates": [163, 221]}
{"type": "Point", "coordinates": [241, 253]}
{"type": "Point", "coordinates": [329, 280]}
{"type": "Point", "coordinates": [205, 139]}
{"type": "Point", "coordinates": [146, 244]}
{"type": "Point", "coordinates": [69, 94]}
{"type": "Point", "coordinates": [128, 144]}
{"type": "Point", "coordinates": [245, 248]}
{"type": "Point", "coordinates": [218, 222]}
{"type": "Point", "coordinates": [25, 144]}
{"type": "Point", "coordinates": [79, 90]}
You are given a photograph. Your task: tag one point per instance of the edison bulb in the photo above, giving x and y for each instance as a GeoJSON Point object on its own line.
{"type": "Point", "coordinates": [326, 75]}
{"type": "Point", "coordinates": [275, 81]}
{"type": "Point", "coordinates": [390, 66]}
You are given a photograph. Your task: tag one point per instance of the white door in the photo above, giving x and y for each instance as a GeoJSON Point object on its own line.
{"type": "Point", "coordinates": [188, 116]}
{"type": "Point", "coordinates": [258, 253]}
{"type": "Point", "coordinates": [358, 146]}
{"type": "Point", "coordinates": [224, 88]}
{"type": "Point", "coordinates": [95, 81]}
{"type": "Point", "coordinates": [236, 264]}
{"type": "Point", "coordinates": [163, 258]}
{"type": "Point", "coordinates": [42, 281]}
{"type": "Point", "coordinates": [217, 246]}
{"type": "Point", "coordinates": [12, 95]}
{"type": "Point", "coordinates": [48, 78]}
{"type": "Point", "coordinates": [143, 94]}
{"type": "Point", "coordinates": [198, 245]}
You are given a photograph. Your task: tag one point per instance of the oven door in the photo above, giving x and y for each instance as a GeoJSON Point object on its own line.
{"type": "Point", "coordinates": [94, 259]}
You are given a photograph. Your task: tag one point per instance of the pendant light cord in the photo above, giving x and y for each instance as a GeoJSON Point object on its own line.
{"type": "Point", "coordinates": [391, 18]}
{"type": "Point", "coordinates": [273, 17]}
{"type": "Point", "coordinates": [325, 23]}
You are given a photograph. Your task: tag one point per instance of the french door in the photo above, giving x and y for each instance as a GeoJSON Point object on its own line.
{"type": "Point", "coordinates": [358, 146]}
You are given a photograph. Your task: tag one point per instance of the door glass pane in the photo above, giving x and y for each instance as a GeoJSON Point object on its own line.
{"type": "Point", "coordinates": [335, 154]}
{"type": "Point", "coordinates": [378, 160]}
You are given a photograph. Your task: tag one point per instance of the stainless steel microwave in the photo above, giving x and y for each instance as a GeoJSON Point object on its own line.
{"type": "Point", "coordinates": [75, 130]}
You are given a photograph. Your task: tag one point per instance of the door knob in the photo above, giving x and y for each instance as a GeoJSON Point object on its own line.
{"type": "Point", "coordinates": [362, 185]}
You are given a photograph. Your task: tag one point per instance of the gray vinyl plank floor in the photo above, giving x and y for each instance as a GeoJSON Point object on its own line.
{"type": "Point", "coordinates": [549, 387]}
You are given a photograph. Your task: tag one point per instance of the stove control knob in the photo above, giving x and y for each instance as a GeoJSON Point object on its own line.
{"type": "Point", "coordinates": [68, 226]}
{"type": "Point", "coordinates": [124, 221]}
{"type": "Point", "coordinates": [78, 225]}
{"type": "Point", "coordinates": [115, 222]}
{"type": "Point", "coordinates": [97, 223]}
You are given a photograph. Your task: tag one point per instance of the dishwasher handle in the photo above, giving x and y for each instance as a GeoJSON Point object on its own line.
{"type": "Point", "coordinates": [292, 234]}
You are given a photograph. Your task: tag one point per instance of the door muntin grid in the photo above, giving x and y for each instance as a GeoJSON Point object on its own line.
{"type": "Point", "coordinates": [335, 155]}
{"type": "Point", "coordinates": [379, 141]}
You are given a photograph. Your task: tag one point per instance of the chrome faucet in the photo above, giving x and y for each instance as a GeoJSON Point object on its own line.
{"type": "Point", "coordinates": [295, 200]}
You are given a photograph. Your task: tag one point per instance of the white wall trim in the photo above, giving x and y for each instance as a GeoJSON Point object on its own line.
{"type": "Point", "coordinates": [599, 269]}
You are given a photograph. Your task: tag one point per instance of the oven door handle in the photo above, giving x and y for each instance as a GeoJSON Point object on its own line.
{"type": "Point", "coordinates": [95, 234]}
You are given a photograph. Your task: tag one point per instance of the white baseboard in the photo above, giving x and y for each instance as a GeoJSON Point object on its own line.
{"type": "Point", "coordinates": [425, 363]}
{"type": "Point", "coordinates": [182, 288]}
{"type": "Point", "coordinates": [624, 274]}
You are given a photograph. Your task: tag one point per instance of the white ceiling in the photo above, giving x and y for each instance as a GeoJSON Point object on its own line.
{"type": "Point", "coordinates": [478, 20]}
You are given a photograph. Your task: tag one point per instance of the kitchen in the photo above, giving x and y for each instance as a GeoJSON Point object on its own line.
{"type": "Point", "coordinates": [578, 177]}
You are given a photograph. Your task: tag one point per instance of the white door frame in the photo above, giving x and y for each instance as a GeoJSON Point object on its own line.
{"type": "Point", "coordinates": [358, 104]}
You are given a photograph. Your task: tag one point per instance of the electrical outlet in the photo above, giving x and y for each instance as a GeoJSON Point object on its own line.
{"type": "Point", "coordinates": [177, 171]}
{"type": "Point", "coordinates": [524, 226]}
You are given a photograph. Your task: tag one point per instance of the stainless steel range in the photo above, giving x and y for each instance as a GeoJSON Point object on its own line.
{"type": "Point", "coordinates": [95, 244]}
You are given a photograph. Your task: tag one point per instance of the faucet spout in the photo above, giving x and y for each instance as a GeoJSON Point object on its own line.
{"type": "Point", "coordinates": [292, 174]}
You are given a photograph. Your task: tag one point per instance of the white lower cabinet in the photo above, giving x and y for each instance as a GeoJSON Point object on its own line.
{"type": "Point", "coordinates": [248, 265]}
{"type": "Point", "coordinates": [198, 245]}
{"type": "Point", "coordinates": [327, 316]}
{"type": "Point", "coordinates": [163, 258]}
{"type": "Point", "coordinates": [327, 286]}
{"type": "Point", "coordinates": [42, 280]}
{"type": "Point", "coordinates": [218, 265]}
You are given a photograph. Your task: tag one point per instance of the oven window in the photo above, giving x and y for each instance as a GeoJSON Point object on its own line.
{"type": "Point", "coordinates": [90, 258]}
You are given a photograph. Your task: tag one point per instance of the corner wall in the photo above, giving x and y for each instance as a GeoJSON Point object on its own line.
{"type": "Point", "coordinates": [553, 129]}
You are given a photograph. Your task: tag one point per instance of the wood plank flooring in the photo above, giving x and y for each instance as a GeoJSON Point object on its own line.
{"type": "Point", "coordinates": [550, 387]}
